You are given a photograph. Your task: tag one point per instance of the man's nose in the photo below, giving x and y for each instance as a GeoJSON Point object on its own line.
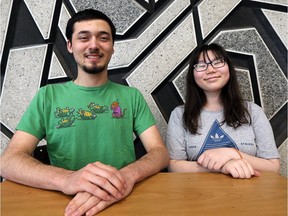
{"type": "Point", "coordinates": [94, 43]}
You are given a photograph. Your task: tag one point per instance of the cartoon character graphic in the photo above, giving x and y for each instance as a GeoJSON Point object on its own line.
{"type": "Point", "coordinates": [117, 111]}
{"type": "Point", "coordinates": [85, 114]}
{"type": "Point", "coordinates": [66, 122]}
{"type": "Point", "coordinates": [63, 112]}
{"type": "Point", "coordinates": [96, 108]}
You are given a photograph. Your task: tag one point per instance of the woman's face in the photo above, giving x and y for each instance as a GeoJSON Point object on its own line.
{"type": "Point", "coordinates": [212, 79]}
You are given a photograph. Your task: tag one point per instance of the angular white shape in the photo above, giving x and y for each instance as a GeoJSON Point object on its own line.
{"type": "Point", "coordinates": [6, 7]}
{"type": "Point", "coordinates": [279, 22]}
{"type": "Point", "coordinates": [124, 55]}
{"type": "Point", "coordinates": [21, 82]}
{"type": "Point", "coordinates": [42, 12]}
{"type": "Point", "coordinates": [56, 70]}
{"type": "Point", "coordinates": [212, 12]}
{"type": "Point", "coordinates": [161, 62]}
{"type": "Point", "coordinates": [63, 19]}
{"type": "Point", "coordinates": [277, 2]}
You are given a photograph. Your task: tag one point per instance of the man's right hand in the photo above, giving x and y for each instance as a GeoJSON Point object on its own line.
{"type": "Point", "coordinates": [100, 180]}
{"type": "Point", "coordinates": [86, 204]}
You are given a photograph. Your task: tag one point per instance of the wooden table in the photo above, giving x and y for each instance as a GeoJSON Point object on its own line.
{"type": "Point", "coordinates": [176, 194]}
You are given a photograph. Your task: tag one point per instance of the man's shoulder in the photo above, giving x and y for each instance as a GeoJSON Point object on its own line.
{"type": "Point", "coordinates": [55, 86]}
{"type": "Point", "coordinates": [123, 87]}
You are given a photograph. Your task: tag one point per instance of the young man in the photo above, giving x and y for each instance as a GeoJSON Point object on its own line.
{"type": "Point", "coordinates": [88, 124]}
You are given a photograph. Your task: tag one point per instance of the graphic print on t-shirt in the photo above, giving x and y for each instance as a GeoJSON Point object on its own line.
{"type": "Point", "coordinates": [96, 108]}
{"type": "Point", "coordinates": [216, 138]}
{"type": "Point", "coordinates": [86, 114]}
{"type": "Point", "coordinates": [67, 116]}
{"type": "Point", "coordinates": [67, 111]}
{"type": "Point", "coordinates": [117, 111]}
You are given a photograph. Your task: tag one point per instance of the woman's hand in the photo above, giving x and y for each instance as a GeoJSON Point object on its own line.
{"type": "Point", "coordinates": [215, 159]}
{"type": "Point", "coordinates": [239, 169]}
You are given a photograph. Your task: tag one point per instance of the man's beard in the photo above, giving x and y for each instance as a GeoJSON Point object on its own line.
{"type": "Point", "coordinates": [93, 69]}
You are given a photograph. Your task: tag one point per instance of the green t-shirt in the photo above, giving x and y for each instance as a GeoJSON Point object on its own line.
{"type": "Point", "coordinates": [87, 124]}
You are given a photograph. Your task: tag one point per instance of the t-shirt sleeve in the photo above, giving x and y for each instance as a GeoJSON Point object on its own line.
{"type": "Point", "coordinates": [33, 119]}
{"type": "Point", "coordinates": [175, 137]}
{"type": "Point", "coordinates": [143, 117]}
{"type": "Point", "coordinates": [264, 137]}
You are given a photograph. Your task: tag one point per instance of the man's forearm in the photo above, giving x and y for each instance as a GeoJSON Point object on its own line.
{"type": "Point", "coordinates": [151, 163]}
{"type": "Point", "coordinates": [24, 169]}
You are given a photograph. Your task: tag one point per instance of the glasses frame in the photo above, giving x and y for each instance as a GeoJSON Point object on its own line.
{"type": "Point", "coordinates": [212, 63]}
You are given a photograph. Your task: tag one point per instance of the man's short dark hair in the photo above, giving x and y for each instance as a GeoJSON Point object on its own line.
{"type": "Point", "coordinates": [88, 14]}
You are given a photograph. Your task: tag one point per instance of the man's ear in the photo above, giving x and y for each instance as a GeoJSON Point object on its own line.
{"type": "Point", "coordinates": [69, 46]}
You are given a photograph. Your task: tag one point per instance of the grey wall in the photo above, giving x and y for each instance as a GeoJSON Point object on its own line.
{"type": "Point", "coordinates": [154, 41]}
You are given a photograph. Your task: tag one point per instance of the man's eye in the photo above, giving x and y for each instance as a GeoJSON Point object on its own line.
{"type": "Point", "coordinates": [83, 38]}
{"type": "Point", "coordinates": [104, 38]}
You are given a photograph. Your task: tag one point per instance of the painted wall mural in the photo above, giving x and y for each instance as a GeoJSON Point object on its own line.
{"type": "Point", "coordinates": [154, 41]}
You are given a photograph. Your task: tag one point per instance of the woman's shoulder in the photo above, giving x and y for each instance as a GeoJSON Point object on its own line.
{"type": "Point", "coordinates": [254, 109]}
{"type": "Point", "coordinates": [178, 109]}
{"type": "Point", "coordinates": [251, 106]}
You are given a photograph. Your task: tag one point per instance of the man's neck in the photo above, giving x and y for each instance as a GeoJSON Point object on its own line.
{"type": "Point", "coordinates": [91, 80]}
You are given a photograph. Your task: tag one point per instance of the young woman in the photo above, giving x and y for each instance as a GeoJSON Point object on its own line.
{"type": "Point", "coordinates": [216, 130]}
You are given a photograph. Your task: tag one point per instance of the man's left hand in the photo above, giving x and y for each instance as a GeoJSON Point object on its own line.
{"type": "Point", "coordinates": [86, 204]}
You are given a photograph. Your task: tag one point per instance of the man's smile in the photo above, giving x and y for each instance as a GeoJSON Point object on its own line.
{"type": "Point", "coordinates": [93, 56]}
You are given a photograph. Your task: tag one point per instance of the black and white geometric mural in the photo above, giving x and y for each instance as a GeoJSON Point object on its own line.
{"type": "Point", "coordinates": [154, 41]}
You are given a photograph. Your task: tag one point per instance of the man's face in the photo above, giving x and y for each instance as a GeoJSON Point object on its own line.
{"type": "Point", "coordinates": [91, 45]}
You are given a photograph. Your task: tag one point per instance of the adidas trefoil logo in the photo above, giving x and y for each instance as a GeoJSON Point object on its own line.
{"type": "Point", "coordinates": [216, 138]}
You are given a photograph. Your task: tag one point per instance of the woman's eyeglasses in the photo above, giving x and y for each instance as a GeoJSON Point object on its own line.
{"type": "Point", "coordinates": [202, 66]}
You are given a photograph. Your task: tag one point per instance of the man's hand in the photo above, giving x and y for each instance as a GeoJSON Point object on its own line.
{"type": "Point", "coordinates": [157, 158]}
{"type": "Point", "coordinates": [239, 169]}
{"type": "Point", "coordinates": [214, 159]}
{"type": "Point", "coordinates": [100, 180]}
{"type": "Point", "coordinates": [86, 204]}
{"type": "Point", "coordinates": [81, 203]}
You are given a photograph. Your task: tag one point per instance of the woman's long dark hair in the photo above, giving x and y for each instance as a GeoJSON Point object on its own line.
{"type": "Point", "coordinates": [235, 111]}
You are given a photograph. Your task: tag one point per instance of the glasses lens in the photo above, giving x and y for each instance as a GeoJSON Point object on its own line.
{"type": "Point", "coordinates": [218, 63]}
{"type": "Point", "coordinates": [200, 67]}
